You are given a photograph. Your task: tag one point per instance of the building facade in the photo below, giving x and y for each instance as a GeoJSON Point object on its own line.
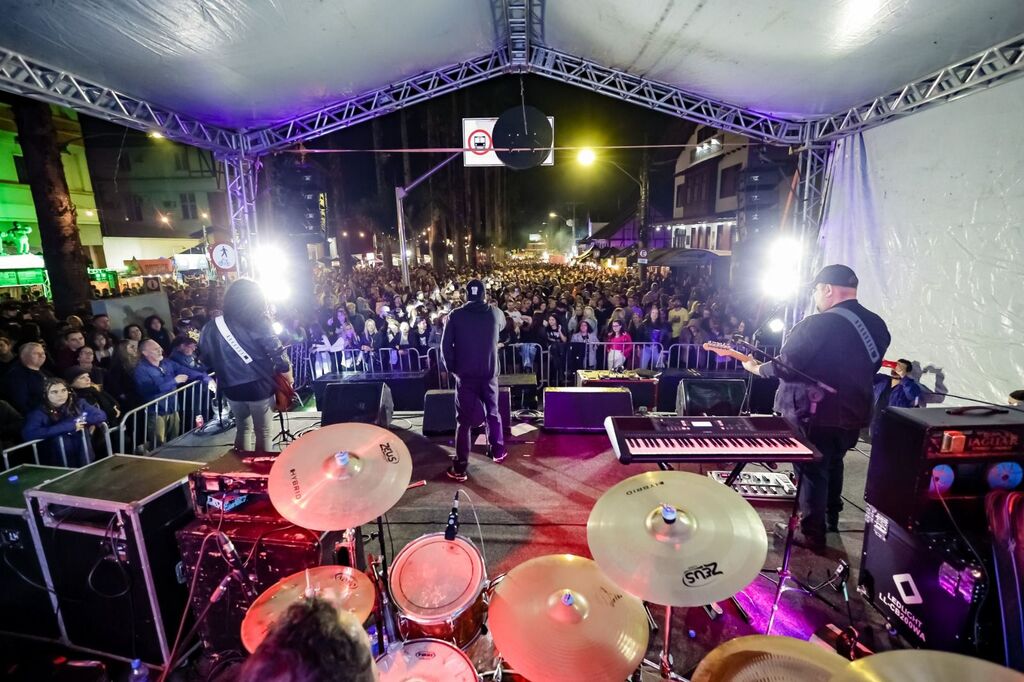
{"type": "Point", "coordinates": [16, 205]}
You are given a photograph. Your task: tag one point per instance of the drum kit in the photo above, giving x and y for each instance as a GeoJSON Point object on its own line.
{"type": "Point", "coordinates": [665, 538]}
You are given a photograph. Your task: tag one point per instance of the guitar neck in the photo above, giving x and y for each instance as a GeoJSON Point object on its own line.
{"type": "Point", "coordinates": [722, 349]}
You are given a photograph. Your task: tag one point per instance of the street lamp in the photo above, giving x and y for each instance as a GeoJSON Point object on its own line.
{"type": "Point", "coordinates": [587, 157]}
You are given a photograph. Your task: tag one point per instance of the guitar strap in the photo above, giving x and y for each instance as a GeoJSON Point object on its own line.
{"type": "Point", "coordinates": [861, 329]}
{"type": "Point", "coordinates": [222, 327]}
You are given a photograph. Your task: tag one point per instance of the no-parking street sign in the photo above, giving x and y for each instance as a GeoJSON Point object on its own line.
{"type": "Point", "coordinates": [478, 142]}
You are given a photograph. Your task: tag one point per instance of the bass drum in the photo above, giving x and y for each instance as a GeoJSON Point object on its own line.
{"type": "Point", "coordinates": [437, 587]}
{"type": "Point", "coordinates": [426, 660]}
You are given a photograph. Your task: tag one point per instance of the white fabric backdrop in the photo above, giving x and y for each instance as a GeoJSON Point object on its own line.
{"type": "Point", "coordinates": [929, 211]}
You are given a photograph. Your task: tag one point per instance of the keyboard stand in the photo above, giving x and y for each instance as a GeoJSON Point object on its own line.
{"type": "Point", "coordinates": [784, 572]}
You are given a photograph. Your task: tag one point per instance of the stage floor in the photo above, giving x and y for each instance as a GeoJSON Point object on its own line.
{"type": "Point", "coordinates": [538, 500]}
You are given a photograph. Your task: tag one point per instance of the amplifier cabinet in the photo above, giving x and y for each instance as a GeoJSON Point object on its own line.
{"type": "Point", "coordinates": [407, 388]}
{"type": "Point", "coordinates": [24, 608]}
{"type": "Point", "coordinates": [924, 457]}
{"type": "Point", "coordinates": [927, 585]}
{"type": "Point", "coordinates": [643, 389]}
{"type": "Point", "coordinates": [439, 411]}
{"type": "Point", "coordinates": [109, 557]}
{"type": "Point", "coordinates": [271, 551]}
{"type": "Point", "coordinates": [232, 475]}
{"type": "Point", "coordinates": [584, 409]}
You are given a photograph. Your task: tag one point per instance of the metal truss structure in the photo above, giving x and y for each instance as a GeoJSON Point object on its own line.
{"type": "Point", "coordinates": [520, 49]}
{"type": "Point", "coordinates": [24, 76]}
{"type": "Point", "coordinates": [375, 103]}
{"type": "Point", "coordinates": [240, 173]}
{"type": "Point", "coordinates": [667, 99]}
{"type": "Point", "coordinates": [983, 70]}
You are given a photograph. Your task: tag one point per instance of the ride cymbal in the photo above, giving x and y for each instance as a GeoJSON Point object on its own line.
{"type": "Point", "coordinates": [339, 476]}
{"type": "Point", "coordinates": [676, 539]}
{"type": "Point", "coordinates": [345, 588]}
{"type": "Point", "coordinates": [559, 618]}
{"type": "Point", "coordinates": [918, 665]}
{"type": "Point", "coordinates": [761, 657]}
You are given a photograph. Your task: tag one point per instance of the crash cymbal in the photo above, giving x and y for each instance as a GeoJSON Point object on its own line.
{"type": "Point", "coordinates": [559, 618]}
{"type": "Point", "coordinates": [676, 539]}
{"type": "Point", "coordinates": [760, 657]}
{"type": "Point", "coordinates": [918, 665]}
{"type": "Point", "coordinates": [339, 476]}
{"type": "Point", "coordinates": [344, 587]}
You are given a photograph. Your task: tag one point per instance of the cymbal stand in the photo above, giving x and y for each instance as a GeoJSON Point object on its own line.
{"type": "Point", "coordinates": [284, 435]}
{"type": "Point", "coordinates": [390, 627]}
{"type": "Point", "coordinates": [664, 664]}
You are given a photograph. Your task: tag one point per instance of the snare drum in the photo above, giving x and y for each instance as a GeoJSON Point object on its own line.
{"type": "Point", "coordinates": [437, 587]}
{"type": "Point", "coordinates": [426, 660]}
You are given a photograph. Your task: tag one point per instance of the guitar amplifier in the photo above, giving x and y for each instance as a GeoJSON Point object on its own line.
{"type": "Point", "coordinates": [928, 586]}
{"type": "Point", "coordinates": [234, 487]}
{"type": "Point", "coordinates": [925, 460]}
{"type": "Point", "coordinates": [644, 389]}
{"type": "Point", "coordinates": [584, 409]}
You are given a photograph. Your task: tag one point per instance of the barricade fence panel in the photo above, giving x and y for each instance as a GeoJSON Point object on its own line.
{"type": "Point", "coordinates": [164, 419]}
{"type": "Point", "coordinates": [28, 452]}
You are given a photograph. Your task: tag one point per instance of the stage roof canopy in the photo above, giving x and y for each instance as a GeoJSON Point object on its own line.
{"type": "Point", "coordinates": [249, 63]}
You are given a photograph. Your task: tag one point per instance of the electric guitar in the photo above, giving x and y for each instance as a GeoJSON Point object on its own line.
{"type": "Point", "coordinates": [725, 349]}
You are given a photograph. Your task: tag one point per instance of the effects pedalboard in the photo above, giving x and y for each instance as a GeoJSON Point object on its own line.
{"type": "Point", "coordinates": [767, 486]}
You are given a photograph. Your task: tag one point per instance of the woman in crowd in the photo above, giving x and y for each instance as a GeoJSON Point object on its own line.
{"type": "Point", "coordinates": [120, 379]}
{"type": "Point", "coordinates": [155, 330]}
{"type": "Point", "coordinates": [585, 336]}
{"type": "Point", "coordinates": [620, 346]}
{"type": "Point", "coordinates": [84, 387]}
{"type": "Point", "coordinates": [133, 332]}
{"type": "Point", "coordinates": [63, 420]}
{"type": "Point", "coordinates": [420, 337]}
{"type": "Point", "coordinates": [248, 386]}
{"type": "Point", "coordinates": [85, 357]}
{"type": "Point", "coordinates": [554, 340]}
{"type": "Point", "coordinates": [102, 348]}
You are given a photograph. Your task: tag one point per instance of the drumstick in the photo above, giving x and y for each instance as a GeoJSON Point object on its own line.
{"type": "Point", "coordinates": [417, 484]}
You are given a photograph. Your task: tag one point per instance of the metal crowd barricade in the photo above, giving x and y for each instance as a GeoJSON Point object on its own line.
{"type": "Point", "coordinates": [33, 445]}
{"type": "Point", "coordinates": [298, 354]}
{"type": "Point", "coordinates": [513, 359]}
{"type": "Point", "coordinates": [693, 356]}
{"type": "Point", "coordinates": [563, 359]}
{"type": "Point", "coordinates": [139, 426]}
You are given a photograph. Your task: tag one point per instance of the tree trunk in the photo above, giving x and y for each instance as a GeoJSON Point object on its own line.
{"type": "Point", "coordinates": [336, 210]}
{"type": "Point", "coordinates": [435, 225]}
{"type": "Point", "coordinates": [66, 262]}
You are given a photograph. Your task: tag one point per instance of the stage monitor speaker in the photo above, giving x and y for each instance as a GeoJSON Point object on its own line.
{"type": "Point", "coordinates": [368, 402]}
{"type": "Point", "coordinates": [584, 408]}
{"type": "Point", "coordinates": [439, 411]}
{"type": "Point", "coordinates": [711, 397]}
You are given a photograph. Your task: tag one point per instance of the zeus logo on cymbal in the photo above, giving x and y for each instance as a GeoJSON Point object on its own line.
{"type": "Point", "coordinates": [699, 575]}
{"type": "Point", "coordinates": [388, 453]}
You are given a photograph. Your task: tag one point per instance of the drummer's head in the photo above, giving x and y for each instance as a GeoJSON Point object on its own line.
{"type": "Point", "coordinates": [312, 642]}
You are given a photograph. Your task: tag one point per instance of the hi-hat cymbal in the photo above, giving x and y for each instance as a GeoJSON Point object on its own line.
{"type": "Point", "coordinates": [559, 618]}
{"type": "Point", "coordinates": [676, 539]}
{"type": "Point", "coordinates": [340, 476]}
{"type": "Point", "coordinates": [345, 588]}
{"type": "Point", "coordinates": [760, 657]}
{"type": "Point", "coordinates": [918, 665]}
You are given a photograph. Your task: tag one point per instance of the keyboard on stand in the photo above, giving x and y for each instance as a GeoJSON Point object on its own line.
{"type": "Point", "coordinates": [762, 486]}
{"type": "Point", "coordinates": [707, 439]}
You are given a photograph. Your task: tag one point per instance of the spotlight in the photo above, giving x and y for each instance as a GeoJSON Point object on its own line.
{"type": "Point", "coordinates": [586, 156]}
{"type": "Point", "coordinates": [782, 271]}
{"type": "Point", "coordinates": [156, 134]}
{"type": "Point", "coordinates": [776, 325]}
{"type": "Point", "coordinates": [277, 291]}
{"type": "Point", "coordinates": [278, 327]}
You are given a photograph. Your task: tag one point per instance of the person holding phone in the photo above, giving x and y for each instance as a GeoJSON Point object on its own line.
{"type": "Point", "coordinates": [59, 420]}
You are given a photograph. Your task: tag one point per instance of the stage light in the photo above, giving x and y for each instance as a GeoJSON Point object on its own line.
{"type": "Point", "coordinates": [156, 134]}
{"type": "Point", "coordinates": [586, 156]}
{"type": "Point", "coordinates": [552, 215]}
{"type": "Point", "coordinates": [278, 327]}
{"type": "Point", "coordinates": [164, 219]}
{"type": "Point", "coordinates": [782, 277]}
{"type": "Point", "coordinates": [277, 292]}
{"type": "Point", "coordinates": [776, 325]}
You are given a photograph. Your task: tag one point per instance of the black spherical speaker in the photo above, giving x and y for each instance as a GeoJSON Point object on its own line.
{"type": "Point", "coordinates": [526, 131]}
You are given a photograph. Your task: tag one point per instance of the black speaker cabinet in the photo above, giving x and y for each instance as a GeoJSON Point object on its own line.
{"type": "Point", "coordinates": [584, 409]}
{"type": "Point", "coordinates": [439, 411]}
{"type": "Point", "coordinates": [110, 559]}
{"type": "Point", "coordinates": [927, 585]}
{"type": "Point", "coordinates": [710, 397]}
{"type": "Point", "coordinates": [369, 403]}
{"type": "Point", "coordinates": [24, 608]}
{"type": "Point", "coordinates": [407, 388]}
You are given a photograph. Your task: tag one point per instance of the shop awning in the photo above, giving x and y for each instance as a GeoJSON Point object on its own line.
{"type": "Point", "coordinates": [680, 258]}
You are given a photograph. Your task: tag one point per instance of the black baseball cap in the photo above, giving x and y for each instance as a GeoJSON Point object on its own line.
{"type": "Point", "coordinates": [838, 275]}
{"type": "Point", "coordinates": [474, 290]}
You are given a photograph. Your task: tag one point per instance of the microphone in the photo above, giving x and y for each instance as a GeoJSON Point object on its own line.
{"type": "Point", "coordinates": [233, 559]}
{"type": "Point", "coordinates": [453, 519]}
